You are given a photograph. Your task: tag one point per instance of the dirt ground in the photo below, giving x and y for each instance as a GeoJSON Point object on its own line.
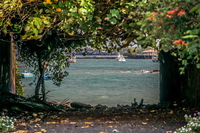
{"type": "Point", "coordinates": [103, 121]}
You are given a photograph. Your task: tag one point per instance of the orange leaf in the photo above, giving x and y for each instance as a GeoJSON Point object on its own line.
{"type": "Point", "coordinates": [71, 33]}
{"type": "Point", "coordinates": [144, 123]}
{"type": "Point", "coordinates": [58, 9]}
{"type": "Point", "coordinates": [21, 131]}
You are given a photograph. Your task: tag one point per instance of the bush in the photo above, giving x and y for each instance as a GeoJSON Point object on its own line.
{"type": "Point", "coordinates": [127, 54]}
{"type": "Point", "coordinates": [193, 124]}
{"type": "Point", "coordinates": [6, 123]}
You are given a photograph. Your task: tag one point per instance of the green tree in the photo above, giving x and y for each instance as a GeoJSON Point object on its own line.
{"type": "Point", "coordinates": [65, 23]}
{"type": "Point", "coordinates": [176, 24]}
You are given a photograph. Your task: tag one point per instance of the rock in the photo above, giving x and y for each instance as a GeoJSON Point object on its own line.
{"type": "Point", "coordinates": [79, 105]}
{"type": "Point", "coordinates": [99, 106]}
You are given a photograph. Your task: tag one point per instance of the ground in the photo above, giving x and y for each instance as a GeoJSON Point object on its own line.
{"type": "Point", "coordinates": [101, 119]}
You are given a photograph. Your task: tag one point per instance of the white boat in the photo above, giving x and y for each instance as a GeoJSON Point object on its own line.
{"type": "Point", "coordinates": [72, 60]}
{"type": "Point", "coordinates": [122, 58]}
{"type": "Point", "coordinates": [25, 74]}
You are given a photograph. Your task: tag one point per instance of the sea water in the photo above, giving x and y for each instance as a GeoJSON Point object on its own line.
{"type": "Point", "coordinates": [105, 81]}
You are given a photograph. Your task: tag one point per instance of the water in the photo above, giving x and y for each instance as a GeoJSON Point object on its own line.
{"type": "Point", "coordinates": [105, 81]}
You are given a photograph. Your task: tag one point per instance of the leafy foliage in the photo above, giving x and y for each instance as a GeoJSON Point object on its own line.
{"type": "Point", "coordinates": [19, 87]}
{"type": "Point", "coordinates": [176, 23]}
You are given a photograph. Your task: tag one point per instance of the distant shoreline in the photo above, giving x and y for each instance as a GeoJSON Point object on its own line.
{"type": "Point", "coordinates": [112, 57]}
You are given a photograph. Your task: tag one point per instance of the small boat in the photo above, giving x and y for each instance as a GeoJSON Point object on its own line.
{"type": "Point", "coordinates": [72, 60]}
{"type": "Point", "coordinates": [121, 58]}
{"type": "Point", "coordinates": [48, 76]}
{"type": "Point", "coordinates": [25, 74]}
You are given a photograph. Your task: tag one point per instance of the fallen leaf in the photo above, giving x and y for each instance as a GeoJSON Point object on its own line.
{"type": "Point", "coordinates": [152, 111]}
{"type": "Point", "coordinates": [144, 123]}
{"type": "Point", "coordinates": [89, 118]}
{"type": "Point", "coordinates": [72, 123]}
{"type": "Point", "coordinates": [169, 132]}
{"type": "Point", "coordinates": [88, 122]}
{"type": "Point", "coordinates": [41, 113]}
{"type": "Point", "coordinates": [85, 126]}
{"type": "Point", "coordinates": [22, 124]}
{"type": "Point", "coordinates": [21, 131]}
{"type": "Point", "coordinates": [43, 130]}
{"type": "Point", "coordinates": [64, 121]}
{"type": "Point", "coordinates": [34, 114]}
{"type": "Point", "coordinates": [110, 126]}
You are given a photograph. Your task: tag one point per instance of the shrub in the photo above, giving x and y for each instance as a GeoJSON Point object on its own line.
{"type": "Point", "coordinates": [193, 124]}
{"type": "Point", "coordinates": [6, 123]}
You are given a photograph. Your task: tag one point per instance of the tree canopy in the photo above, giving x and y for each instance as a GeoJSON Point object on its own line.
{"type": "Point", "coordinates": [43, 27]}
{"type": "Point", "coordinates": [176, 24]}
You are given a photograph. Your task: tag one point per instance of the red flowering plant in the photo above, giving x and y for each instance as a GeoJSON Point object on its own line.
{"type": "Point", "coordinates": [177, 26]}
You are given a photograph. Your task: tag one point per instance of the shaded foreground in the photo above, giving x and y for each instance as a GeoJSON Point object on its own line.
{"type": "Point", "coordinates": [81, 118]}
{"type": "Point", "coordinates": [72, 117]}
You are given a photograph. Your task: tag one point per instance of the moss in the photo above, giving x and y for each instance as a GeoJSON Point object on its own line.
{"type": "Point", "coordinates": [18, 80]}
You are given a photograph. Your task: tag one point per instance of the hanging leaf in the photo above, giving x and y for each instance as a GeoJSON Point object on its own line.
{"type": "Point", "coordinates": [61, 4]}
{"type": "Point", "coordinates": [190, 36]}
{"type": "Point", "coordinates": [35, 31]}
{"type": "Point", "coordinates": [113, 21]}
{"type": "Point", "coordinates": [114, 13]}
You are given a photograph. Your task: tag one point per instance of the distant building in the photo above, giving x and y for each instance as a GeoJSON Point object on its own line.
{"type": "Point", "coordinates": [151, 53]}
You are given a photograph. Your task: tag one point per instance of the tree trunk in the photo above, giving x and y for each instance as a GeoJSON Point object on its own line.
{"type": "Point", "coordinates": [41, 78]}
{"type": "Point", "coordinates": [171, 82]}
{"type": "Point", "coordinates": [175, 87]}
{"type": "Point", "coordinates": [192, 92]}
{"type": "Point", "coordinates": [4, 63]}
{"type": "Point", "coordinates": [43, 90]}
{"type": "Point", "coordinates": [12, 66]}
{"type": "Point", "coordinates": [7, 64]}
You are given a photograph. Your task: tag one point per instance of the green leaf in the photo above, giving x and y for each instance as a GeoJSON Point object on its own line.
{"type": "Point", "coordinates": [90, 17]}
{"type": "Point", "coordinates": [74, 14]}
{"type": "Point", "coordinates": [40, 11]}
{"type": "Point", "coordinates": [190, 36]}
{"type": "Point", "coordinates": [46, 22]}
{"type": "Point", "coordinates": [61, 4]}
{"type": "Point", "coordinates": [54, 6]}
{"type": "Point", "coordinates": [113, 21]}
{"type": "Point", "coordinates": [114, 12]}
{"type": "Point", "coordinates": [27, 28]}
{"type": "Point", "coordinates": [83, 11]}
{"type": "Point", "coordinates": [195, 8]}
{"type": "Point", "coordinates": [109, 16]}
{"type": "Point", "coordinates": [198, 66]}
{"type": "Point", "coordinates": [35, 31]}
{"type": "Point", "coordinates": [140, 37]}
{"type": "Point", "coordinates": [132, 24]}
{"type": "Point", "coordinates": [68, 3]}
{"type": "Point", "coordinates": [37, 24]}
{"type": "Point", "coordinates": [118, 17]}
{"type": "Point", "coordinates": [124, 25]}
{"type": "Point", "coordinates": [64, 11]}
